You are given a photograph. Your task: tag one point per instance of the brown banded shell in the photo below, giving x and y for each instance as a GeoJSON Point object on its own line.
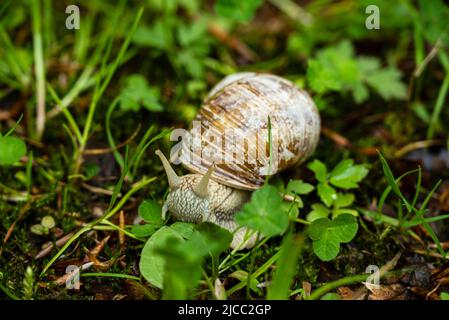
{"type": "Point", "coordinates": [232, 130]}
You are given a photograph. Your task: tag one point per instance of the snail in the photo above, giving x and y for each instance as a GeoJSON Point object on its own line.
{"type": "Point", "coordinates": [250, 125]}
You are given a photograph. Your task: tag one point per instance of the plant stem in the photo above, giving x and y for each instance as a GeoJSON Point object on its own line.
{"type": "Point", "coordinates": [39, 67]}
{"type": "Point", "coordinates": [110, 275]}
{"type": "Point", "coordinates": [256, 274]}
{"type": "Point", "coordinates": [101, 87]}
{"type": "Point", "coordinates": [9, 293]}
{"type": "Point", "coordinates": [335, 284]}
{"type": "Point", "coordinates": [438, 106]}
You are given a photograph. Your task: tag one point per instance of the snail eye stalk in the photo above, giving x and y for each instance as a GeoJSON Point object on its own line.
{"type": "Point", "coordinates": [173, 180]}
{"type": "Point", "coordinates": [201, 188]}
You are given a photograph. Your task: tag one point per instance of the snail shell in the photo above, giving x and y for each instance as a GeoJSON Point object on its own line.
{"type": "Point", "coordinates": [231, 130]}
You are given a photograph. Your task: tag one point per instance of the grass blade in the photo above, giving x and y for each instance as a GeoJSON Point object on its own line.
{"type": "Point", "coordinates": [39, 67]}
{"type": "Point", "coordinates": [286, 267]}
{"type": "Point", "coordinates": [438, 107]}
{"type": "Point", "coordinates": [392, 182]}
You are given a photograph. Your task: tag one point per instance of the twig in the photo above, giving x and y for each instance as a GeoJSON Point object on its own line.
{"type": "Point", "coordinates": [416, 145]}
{"type": "Point", "coordinates": [431, 254]}
{"type": "Point", "coordinates": [60, 242]}
{"type": "Point", "coordinates": [121, 234]}
{"type": "Point", "coordinates": [294, 11]}
{"type": "Point", "coordinates": [69, 276]}
{"type": "Point", "coordinates": [109, 150]}
{"type": "Point", "coordinates": [433, 52]}
{"type": "Point", "coordinates": [22, 212]}
{"type": "Point", "coordinates": [99, 247]}
{"type": "Point", "coordinates": [98, 190]}
{"type": "Point", "coordinates": [336, 137]}
{"type": "Point", "coordinates": [234, 43]}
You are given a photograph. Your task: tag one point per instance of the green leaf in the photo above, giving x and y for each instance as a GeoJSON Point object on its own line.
{"type": "Point", "coordinates": [368, 64]}
{"type": "Point", "coordinates": [188, 34]}
{"type": "Point", "coordinates": [345, 227]}
{"type": "Point", "coordinates": [326, 193]}
{"type": "Point", "coordinates": [237, 10]}
{"type": "Point", "coordinates": [337, 212]}
{"type": "Point", "coordinates": [243, 276]}
{"type": "Point", "coordinates": [150, 212]}
{"type": "Point", "coordinates": [344, 200]}
{"type": "Point", "coordinates": [152, 264]}
{"type": "Point", "coordinates": [346, 175]}
{"type": "Point", "coordinates": [341, 167]}
{"type": "Point", "coordinates": [318, 228]}
{"type": "Point", "coordinates": [39, 229]}
{"type": "Point", "coordinates": [321, 79]}
{"type": "Point", "coordinates": [299, 187]}
{"type": "Point", "coordinates": [11, 150]}
{"type": "Point", "coordinates": [319, 169]}
{"type": "Point", "coordinates": [28, 284]}
{"type": "Point", "coordinates": [318, 211]}
{"type": "Point", "coordinates": [144, 230]}
{"type": "Point", "coordinates": [433, 18]}
{"type": "Point", "coordinates": [390, 178]}
{"type": "Point", "coordinates": [328, 234]}
{"type": "Point", "coordinates": [333, 68]}
{"type": "Point", "coordinates": [286, 267]}
{"type": "Point", "coordinates": [210, 238]}
{"type": "Point", "coordinates": [360, 92]}
{"type": "Point", "coordinates": [185, 229]}
{"type": "Point", "coordinates": [48, 222]}
{"type": "Point", "coordinates": [292, 208]}
{"type": "Point", "coordinates": [183, 259]}
{"type": "Point", "coordinates": [337, 68]}
{"type": "Point", "coordinates": [192, 62]}
{"type": "Point", "coordinates": [444, 296]}
{"type": "Point", "coordinates": [387, 83]}
{"type": "Point", "coordinates": [264, 212]}
{"type": "Point", "coordinates": [137, 93]}
{"type": "Point", "coordinates": [157, 36]}
{"type": "Point", "coordinates": [182, 269]}
{"type": "Point", "coordinates": [91, 170]}
{"type": "Point", "coordinates": [327, 247]}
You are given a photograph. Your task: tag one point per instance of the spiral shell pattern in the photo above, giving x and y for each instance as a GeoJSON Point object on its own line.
{"type": "Point", "coordinates": [232, 130]}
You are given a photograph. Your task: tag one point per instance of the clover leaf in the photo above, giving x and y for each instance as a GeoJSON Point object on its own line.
{"type": "Point", "coordinates": [11, 150]}
{"type": "Point", "coordinates": [345, 227]}
{"type": "Point", "coordinates": [152, 264]}
{"type": "Point", "coordinates": [337, 68]}
{"type": "Point", "coordinates": [327, 235]}
{"type": "Point", "coordinates": [264, 212]}
{"type": "Point", "coordinates": [318, 211]}
{"type": "Point", "coordinates": [327, 193]}
{"type": "Point", "coordinates": [319, 169]}
{"type": "Point", "coordinates": [346, 175]}
{"type": "Point", "coordinates": [150, 212]}
{"type": "Point", "coordinates": [183, 259]}
{"type": "Point", "coordinates": [137, 93]}
{"type": "Point", "coordinates": [299, 187]}
{"type": "Point", "coordinates": [237, 10]}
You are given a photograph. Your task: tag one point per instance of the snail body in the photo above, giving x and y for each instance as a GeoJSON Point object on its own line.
{"type": "Point", "coordinates": [246, 120]}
